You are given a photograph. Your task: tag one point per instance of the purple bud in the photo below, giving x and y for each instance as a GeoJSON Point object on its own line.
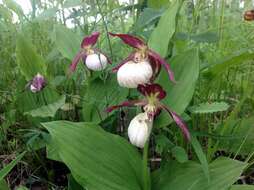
{"type": "Point", "coordinates": [38, 83]}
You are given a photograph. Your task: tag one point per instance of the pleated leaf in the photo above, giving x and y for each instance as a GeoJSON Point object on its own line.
{"type": "Point", "coordinates": [97, 159]}
{"type": "Point", "coordinates": [47, 110]}
{"type": "Point", "coordinates": [189, 176]}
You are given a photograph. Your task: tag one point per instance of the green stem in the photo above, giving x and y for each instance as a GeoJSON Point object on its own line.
{"type": "Point", "coordinates": [106, 28]}
{"type": "Point", "coordinates": [145, 168]}
{"type": "Point", "coordinates": [221, 23]}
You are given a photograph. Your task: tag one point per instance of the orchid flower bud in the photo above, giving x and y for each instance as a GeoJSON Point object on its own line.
{"type": "Point", "coordinates": [96, 62]}
{"type": "Point", "coordinates": [38, 83]}
{"type": "Point", "coordinates": [132, 74]}
{"type": "Point", "coordinates": [139, 130]}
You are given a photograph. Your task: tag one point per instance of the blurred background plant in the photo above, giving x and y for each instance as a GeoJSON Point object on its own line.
{"type": "Point", "coordinates": [210, 47]}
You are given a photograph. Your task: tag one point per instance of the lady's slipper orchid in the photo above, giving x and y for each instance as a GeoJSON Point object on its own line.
{"type": "Point", "coordinates": [139, 130]}
{"type": "Point", "coordinates": [93, 58]}
{"type": "Point", "coordinates": [141, 66]}
{"type": "Point", "coordinates": [152, 106]}
{"type": "Point", "coordinates": [37, 84]}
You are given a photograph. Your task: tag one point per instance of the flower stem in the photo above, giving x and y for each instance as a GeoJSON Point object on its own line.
{"type": "Point", "coordinates": [146, 179]}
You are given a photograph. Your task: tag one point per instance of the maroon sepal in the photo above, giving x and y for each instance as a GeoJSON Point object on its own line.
{"type": "Point", "coordinates": [127, 104]}
{"type": "Point", "coordinates": [181, 124]}
{"type": "Point", "coordinates": [75, 61]}
{"type": "Point", "coordinates": [90, 40]}
{"type": "Point", "coordinates": [127, 59]}
{"type": "Point", "coordinates": [157, 57]}
{"type": "Point", "coordinates": [156, 66]}
{"type": "Point", "coordinates": [130, 40]}
{"type": "Point", "coordinates": [152, 89]}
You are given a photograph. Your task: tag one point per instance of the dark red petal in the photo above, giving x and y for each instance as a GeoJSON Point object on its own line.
{"type": "Point", "coordinates": [179, 122]}
{"type": "Point", "coordinates": [130, 40]}
{"type": "Point", "coordinates": [76, 59]}
{"type": "Point", "coordinates": [156, 66]}
{"type": "Point", "coordinates": [142, 89]}
{"type": "Point", "coordinates": [98, 50]}
{"type": "Point", "coordinates": [127, 104]}
{"type": "Point", "coordinates": [148, 89]}
{"type": "Point", "coordinates": [90, 40]}
{"type": "Point", "coordinates": [127, 59]}
{"type": "Point", "coordinates": [163, 63]}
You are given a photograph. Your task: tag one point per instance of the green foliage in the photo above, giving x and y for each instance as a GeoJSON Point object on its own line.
{"type": "Point", "coordinates": [29, 61]}
{"type": "Point", "coordinates": [234, 60]}
{"type": "Point", "coordinates": [117, 166]}
{"type": "Point", "coordinates": [162, 34]}
{"type": "Point", "coordinates": [179, 95]}
{"type": "Point", "coordinates": [241, 139]}
{"type": "Point", "coordinates": [100, 94]}
{"type": "Point", "coordinates": [73, 185]}
{"type": "Point", "coordinates": [147, 17]}
{"type": "Point", "coordinates": [47, 110]}
{"type": "Point", "coordinates": [157, 3]}
{"type": "Point", "coordinates": [209, 46]}
{"type": "Point", "coordinates": [10, 166]}
{"type": "Point", "coordinates": [12, 5]}
{"type": "Point", "coordinates": [209, 107]}
{"type": "Point", "coordinates": [67, 42]}
{"type": "Point", "coordinates": [189, 176]}
{"type": "Point", "coordinates": [201, 156]}
{"type": "Point", "coordinates": [242, 187]}
{"type": "Point", "coordinates": [4, 185]}
{"type": "Point", "coordinates": [180, 154]}
{"type": "Point", "coordinates": [47, 14]}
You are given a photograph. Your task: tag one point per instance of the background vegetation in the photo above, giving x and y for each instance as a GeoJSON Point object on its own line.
{"type": "Point", "coordinates": [210, 47]}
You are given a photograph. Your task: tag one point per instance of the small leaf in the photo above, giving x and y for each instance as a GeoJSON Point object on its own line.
{"type": "Point", "coordinates": [10, 166]}
{"type": "Point", "coordinates": [180, 154]}
{"type": "Point", "coordinates": [201, 156]}
{"type": "Point", "coordinates": [209, 107]}
{"type": "Point", "coordinates": [47, 110]}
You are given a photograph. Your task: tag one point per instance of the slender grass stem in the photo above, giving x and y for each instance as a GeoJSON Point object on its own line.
{"type": "Point", "coordinates": [221, 23]}
{"type": "Point", "coordinates": [145, 168]}
{"type": "Point", "coordinates": [106, 28]}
